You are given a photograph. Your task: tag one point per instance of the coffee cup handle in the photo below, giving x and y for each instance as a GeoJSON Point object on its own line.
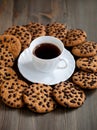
{"type": "Point", "coordinates": [62, 63]}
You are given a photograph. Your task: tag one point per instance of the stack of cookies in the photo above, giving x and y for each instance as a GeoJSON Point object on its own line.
{"type": "Point", "coordinates": [16, 92]}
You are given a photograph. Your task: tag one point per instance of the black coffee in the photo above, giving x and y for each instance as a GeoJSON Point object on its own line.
{"type": "Point", "coordinates": [46, 51]}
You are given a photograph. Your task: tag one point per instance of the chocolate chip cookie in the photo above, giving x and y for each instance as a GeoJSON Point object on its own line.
{"type": "Point", "coordinates": [12, 92]}
{"type": "Point", "coordinates": [86, 49]}
{"type": "Point", "coordinates": [87, 64]}
{"type": "Point", "coordinates": [57, 30]}
{"type": "Point", "coordinates": [11, 43]}
{"type": "Point", "coordinates": [36, 29]}
{"type": "Point", "coordinates": [74, 37]}
{"type": "Point", "coordinates": [38, 98]}
{"type": "Point", "coordinates": [68, 94]}
{"type": "Point", "coordinates": [85, 80]}
{"type": "Point", "coordinates": [22, 34]}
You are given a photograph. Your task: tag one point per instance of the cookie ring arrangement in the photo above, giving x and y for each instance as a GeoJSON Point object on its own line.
{"type": "Point", "coordinates": [16, 92]}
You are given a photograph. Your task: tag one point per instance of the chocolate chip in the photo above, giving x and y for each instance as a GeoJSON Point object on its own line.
{"type": "Point", "coordinates": [11, 104]}
{"type": "Point", "coordinates": [5, 39]}
{"type": "Point", "coordinates": [45, 99]}
{"type": "Point", "coordinates": [72, 101]}
{"type": "Point", "coordinates": [40, 103]}
{"type": "Point", "coordinates": [14, 95]}
{"type": "Point", "coordinates": [48, 104]}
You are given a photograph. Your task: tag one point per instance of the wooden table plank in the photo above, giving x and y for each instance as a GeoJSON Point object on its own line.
{"type": "Point", "coordinates": [6, 14]}
{"type": "Point", "coordinates": [83, 14]}
{"type": "Point", "coordinates": [20, 12]}
{"type": "Point", "coordinates": [77, 14]}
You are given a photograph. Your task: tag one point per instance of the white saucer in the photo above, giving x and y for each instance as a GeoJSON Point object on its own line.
{"type": "Point", "coordinates": [26, 68]}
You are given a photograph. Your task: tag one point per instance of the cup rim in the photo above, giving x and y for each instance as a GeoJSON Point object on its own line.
{"type": "Point", "coordinates": [45, 60]}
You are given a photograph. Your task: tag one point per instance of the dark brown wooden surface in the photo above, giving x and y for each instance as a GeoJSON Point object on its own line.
{"type": "Point", "coordinates": [77, 14]}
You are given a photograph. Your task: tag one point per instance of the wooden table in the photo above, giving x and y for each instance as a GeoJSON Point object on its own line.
{"type": "Point", "coordinates": [77, 14]}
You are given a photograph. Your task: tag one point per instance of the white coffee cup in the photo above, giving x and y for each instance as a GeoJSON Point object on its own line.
{"type": "Point", "coordinates": [48, 65]}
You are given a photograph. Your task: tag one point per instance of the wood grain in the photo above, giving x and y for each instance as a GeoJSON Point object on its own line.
{"type": "Point", "coordinates": [77, 14]}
